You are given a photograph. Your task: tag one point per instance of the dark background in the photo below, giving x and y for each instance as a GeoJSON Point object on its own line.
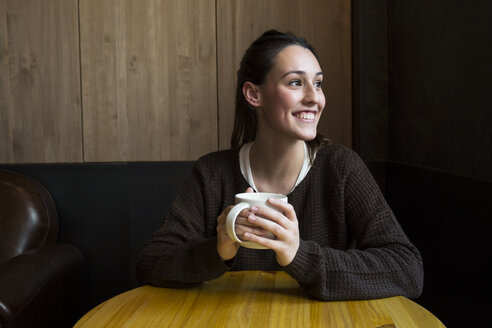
{"type": "Point", "coordinates": [423, 124]}
{"type": "Point", "coordinates": [422, 80]}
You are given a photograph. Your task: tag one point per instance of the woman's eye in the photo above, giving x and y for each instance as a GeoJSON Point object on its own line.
{"type": "Point", "coordinates": [295, 83]}
{"type": "Point", "coordinates": [318, 84]}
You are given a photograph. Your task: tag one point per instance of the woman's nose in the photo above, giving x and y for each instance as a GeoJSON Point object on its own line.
{"type": "Point", "coordinates": [310, 94]}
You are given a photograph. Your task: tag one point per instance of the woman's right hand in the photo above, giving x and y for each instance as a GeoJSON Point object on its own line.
{"type": "Point", "coordinates": [226, 247]}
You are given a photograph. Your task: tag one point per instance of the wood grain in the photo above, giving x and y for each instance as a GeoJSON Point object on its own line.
{"type": "Point", "coordinates": [326, 24]}
{"type": "Point", "coordinates": [40, 106]}
{"type": "Point", "coordinates": [149, 79]}
{"type": "Point", "coordinates": [149, 74]}
{"type": "Point", "coordinates": [250, 299]}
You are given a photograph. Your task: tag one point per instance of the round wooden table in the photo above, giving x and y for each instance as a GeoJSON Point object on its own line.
{"type": "Point", "coordinates": [250, 299]}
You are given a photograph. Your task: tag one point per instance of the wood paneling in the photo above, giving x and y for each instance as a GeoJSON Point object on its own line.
{"type": "Point", "coordinates": [324, 23]}
{"type": "Point", "coordinates": [149, 79]}
{"type": "Point", "coordinates": [39, 82]}
{"type": "Point", "coordinates": [146, 84]}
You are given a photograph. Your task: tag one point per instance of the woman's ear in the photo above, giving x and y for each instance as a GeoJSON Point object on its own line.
{"type": "Point", "coordinates": [251, 93]}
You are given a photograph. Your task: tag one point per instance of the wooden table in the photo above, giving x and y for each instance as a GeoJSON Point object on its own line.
{"type": "Point", "coordinates": [250, 299]}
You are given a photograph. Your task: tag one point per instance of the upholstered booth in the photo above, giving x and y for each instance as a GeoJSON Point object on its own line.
{"type": "Point", "coordinates": [41, 281]}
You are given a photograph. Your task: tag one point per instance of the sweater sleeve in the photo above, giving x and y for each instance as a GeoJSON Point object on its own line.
{"type": "Point", "coordinates": [181, 253]}
{"type": "Point", "coordinates": [384, 262]}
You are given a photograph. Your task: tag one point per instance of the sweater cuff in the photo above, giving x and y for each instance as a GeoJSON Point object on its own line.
{"type": "Point", "coordinates": [303, 266]}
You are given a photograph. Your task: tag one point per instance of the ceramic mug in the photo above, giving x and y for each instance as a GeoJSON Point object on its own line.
{"type": "Point", "coordinates": [244, 201]}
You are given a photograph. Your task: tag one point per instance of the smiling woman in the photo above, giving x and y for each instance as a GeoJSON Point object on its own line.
{"type": "Point", "coordinates": [333, 200]}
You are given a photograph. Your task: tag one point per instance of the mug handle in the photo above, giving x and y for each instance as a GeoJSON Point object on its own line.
{"type": "Point", "coordinates": [231, 222]}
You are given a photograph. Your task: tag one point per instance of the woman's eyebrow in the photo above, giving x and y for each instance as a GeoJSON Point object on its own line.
{"type": "Point", "coordinates": [300, 73]}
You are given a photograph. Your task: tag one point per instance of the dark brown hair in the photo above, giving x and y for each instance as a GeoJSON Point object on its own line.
{"type": "Point", "coordinates": [257, 61]}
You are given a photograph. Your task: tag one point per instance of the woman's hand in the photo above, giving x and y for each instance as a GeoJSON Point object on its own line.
{"type": "Point", "coordinates": [284, 226]}
{"type": "Point", "coordinates": [226, 247]}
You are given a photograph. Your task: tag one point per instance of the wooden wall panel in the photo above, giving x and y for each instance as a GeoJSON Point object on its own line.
{"type": "Point", "coordinates": [149, 79]}
{"type": "Point", "coordinates": [326, 24]}
{"type": "Point", "coordinates": [40, 114]}
{"type": "Point", "coordinates": [149, 74]}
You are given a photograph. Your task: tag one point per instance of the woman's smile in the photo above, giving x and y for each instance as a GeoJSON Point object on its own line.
{"type": "Point", "coordinates": [306, 116]}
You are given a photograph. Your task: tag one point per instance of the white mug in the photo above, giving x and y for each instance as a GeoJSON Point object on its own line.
{"type": "Point", "coordinates": [247, 200]}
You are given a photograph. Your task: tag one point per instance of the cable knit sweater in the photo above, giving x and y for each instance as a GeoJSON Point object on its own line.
{"type": "Point", "coordinates": [337, 202]}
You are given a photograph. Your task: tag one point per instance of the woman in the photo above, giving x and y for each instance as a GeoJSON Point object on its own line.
{"type": "Point", "coordinates": [334, 202]}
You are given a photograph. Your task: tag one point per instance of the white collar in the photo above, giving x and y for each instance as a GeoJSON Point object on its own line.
{"type": "Point", "coordinates": [246, 166]}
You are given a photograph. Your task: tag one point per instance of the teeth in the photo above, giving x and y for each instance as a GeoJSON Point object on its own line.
{"type": "Point", "coordinates": [305, 116]}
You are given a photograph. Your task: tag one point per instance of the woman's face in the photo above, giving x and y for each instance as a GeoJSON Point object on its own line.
{"type": "Point", "coordinates": [291, 99]}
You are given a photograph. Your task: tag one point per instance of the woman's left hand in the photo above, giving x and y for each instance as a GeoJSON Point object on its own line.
{"type": "Point", "coordinates": [284, 226]}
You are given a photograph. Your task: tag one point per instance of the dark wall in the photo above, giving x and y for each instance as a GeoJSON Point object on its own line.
{"type": "Point", "coordinates": [448, 218]}
{"type": "Point", "coordinates": [439, 175]}
{"type": "Point", "coordinates": [440, 84]}
{"type": "Point", "coordinates": [432, 132]}
{"type": "Point", "coordinates": [370, 84]}
{"type": "Point", "coordinates": [422, 84]}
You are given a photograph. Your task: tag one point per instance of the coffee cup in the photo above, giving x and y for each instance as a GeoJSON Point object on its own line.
{"type": "Point", "coordinates": [244, 201]}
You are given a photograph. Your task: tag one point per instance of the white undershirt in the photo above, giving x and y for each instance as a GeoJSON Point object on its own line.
{"type": "Point", "coordinates": [246, 166]}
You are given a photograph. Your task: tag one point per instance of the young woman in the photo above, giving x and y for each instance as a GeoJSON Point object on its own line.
{"type": "Point", "coordinates": [337, 236]}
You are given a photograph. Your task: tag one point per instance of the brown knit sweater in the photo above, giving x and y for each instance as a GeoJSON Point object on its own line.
{"type": "Point", "coordinates": [336, 203]}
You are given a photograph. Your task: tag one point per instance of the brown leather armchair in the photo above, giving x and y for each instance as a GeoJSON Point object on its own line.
{"type": "Point", "coordinates": [41, 281]}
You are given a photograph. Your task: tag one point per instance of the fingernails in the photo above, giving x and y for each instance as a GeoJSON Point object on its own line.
{"type": "Point", "coordinates": [272, 200]}
{"type": "Point", "coordinates": [251, 218]}
{"type": "Point", "coordinates": [254, 208]}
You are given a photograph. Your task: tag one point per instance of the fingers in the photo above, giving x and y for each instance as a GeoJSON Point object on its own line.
{"type": "Point", "coordinates": [271, 225]}
{"type": "Point", "coordinates": [284, 207]}
{"type": "Point", "coordinates": [242, 230]}
{"type": "Point", "coordinates": [249, 189]}
{"type": "Point", "coordinates": [242, 219]}
{"type": "Point", "coordinates": [243, 225]}
{"type": "Point", "coordinates": [270, 243]}
{"type": "Point", "coordinates": [283, 218]}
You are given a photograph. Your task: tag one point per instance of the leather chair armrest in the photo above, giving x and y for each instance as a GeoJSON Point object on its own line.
{"type": "Point", "coordinates": [37, 285]}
